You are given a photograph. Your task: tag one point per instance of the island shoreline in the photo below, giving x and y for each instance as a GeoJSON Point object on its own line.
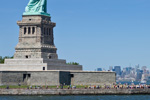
{"type": "Point", "coordinates": [64, 92]}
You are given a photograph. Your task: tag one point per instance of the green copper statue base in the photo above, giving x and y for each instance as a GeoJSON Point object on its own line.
{"type": "Point", "coordinates": [36, 13]}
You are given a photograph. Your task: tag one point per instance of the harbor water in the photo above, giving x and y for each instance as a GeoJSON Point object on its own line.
{"type": "Point", "coordinates": [87, 97]}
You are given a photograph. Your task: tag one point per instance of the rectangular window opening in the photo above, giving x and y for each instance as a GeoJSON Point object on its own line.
{"type": "Point", "coordinates": [29, 30]}
{"type": "Point", "coordinates": [43, 68]}
{"type": "Point", "coordinates": [72, 75]}
{"type": "Point", "coordinates": [29, 75]}
{"type": "Point", "coordinates": [33, 30]}
{"type": "Point", "coordinates": [24, 77]}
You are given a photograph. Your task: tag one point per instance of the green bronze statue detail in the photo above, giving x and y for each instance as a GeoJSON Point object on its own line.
{"type": "Point", "coordinates": [36, 7]}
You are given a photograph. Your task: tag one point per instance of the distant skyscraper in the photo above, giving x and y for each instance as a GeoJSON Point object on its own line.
{"type": "Point", "coordinates": [99, 69]}
{"type": "Point", "coordinates": [117, 69]}
{"type": "Point", "coordinates": [144, 68]}
{"type": "Point", "coordinates": [128, 70]}
{"type": "Point", "coordinates": [139, 76]}
{"type": "Point", "coordinates": [137, 66]}
{"type": "Point", "coordinates": [110, 68]}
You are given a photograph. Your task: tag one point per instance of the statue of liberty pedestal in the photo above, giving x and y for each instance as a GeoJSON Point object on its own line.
{"type": "Point", "coordinates": [36, 7]}
{"type": "Point", "coordinates": [36, 50]}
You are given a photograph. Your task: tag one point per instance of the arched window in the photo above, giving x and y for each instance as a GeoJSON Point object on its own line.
{"type": "Point", "coordinates": [27, 56]}
{"type": "Point", "coordinates": [33, 30]}
{"type": "Point", "coordinates": [25, 30]}
{"type": "Point", "coordinates": [44, 31]}
{"type": "Point", "coordinates": [49, 31]}
{"type": "Point", "coordinates": [29, 30]}
{"type": "Point", "coordinates": [50, 57]}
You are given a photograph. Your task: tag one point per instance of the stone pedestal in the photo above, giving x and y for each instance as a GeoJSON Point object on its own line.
{"type": "Point", "coordinates": [37, 65]}
{"type": "Point", "coordinates": [36, 38]}
{"type": "Point", "coordinates": [36, 50]}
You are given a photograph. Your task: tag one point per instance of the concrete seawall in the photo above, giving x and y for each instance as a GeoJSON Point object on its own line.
{"type": "Point", "coordinates": [73, 91]}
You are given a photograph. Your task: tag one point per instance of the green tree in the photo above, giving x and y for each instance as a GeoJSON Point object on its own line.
{"type": "Point", "coordinates": [2, 59]}
{"type": "Point", "coordinates": [73, 63]}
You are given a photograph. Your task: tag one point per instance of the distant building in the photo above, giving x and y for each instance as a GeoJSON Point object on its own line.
{"type": "Point", "coordinates": [117, 69]}
{"type": "Point", "coordinates": [128, 70]}
{"type": "Point", "coordinates": [139, 76]}
{"type": "Point", "coordinates": [99, 69]}
{"type": "Point", "coordinates": [137, 66]}
{"type": "Point", "coordinates": [144, 68]}
{"type": "Point", "coordinates": [110, 68]}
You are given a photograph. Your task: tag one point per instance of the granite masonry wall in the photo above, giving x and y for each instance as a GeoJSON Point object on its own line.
{"type": "Point", "coordinates": [92, 78]}
{"type": "Point", "coordinates": [44, 78]}
{"type": "Point", "coordinates": [56, 78]}
{"type": "Point", "coordinates": [29, 78]}
{"type": "Point", "coordinates": [12, 78]}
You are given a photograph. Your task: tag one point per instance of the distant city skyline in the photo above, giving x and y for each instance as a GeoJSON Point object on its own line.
{"type": "Point", "coordinates": [112, 67]}
{"type": "Point", "coordinates": [133, 66]}
{"type": "Point", "coordinates": [130, 74]}
{"type": "Point", "coordinates": [99, 33]}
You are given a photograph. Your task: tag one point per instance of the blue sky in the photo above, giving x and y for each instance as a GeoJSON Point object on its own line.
{"type": "Point", "coordinates": [95, 33]}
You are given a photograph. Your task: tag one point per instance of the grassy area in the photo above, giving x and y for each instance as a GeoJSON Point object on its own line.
{"type": "Point", "coordinates": [25, 87]}
{"type": "Point", "coordinates": [13, 87]}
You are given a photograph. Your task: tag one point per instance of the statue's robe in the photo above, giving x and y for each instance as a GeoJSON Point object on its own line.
{"type": "Point", "coordinates": [36, 6]}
